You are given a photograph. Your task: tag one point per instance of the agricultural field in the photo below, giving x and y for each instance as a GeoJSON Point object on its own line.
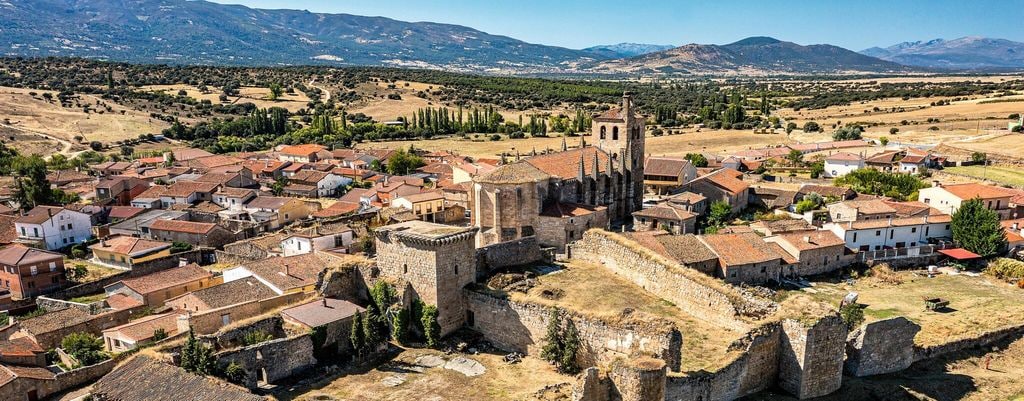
{"type": "Point", "coordinates": [259, 96]}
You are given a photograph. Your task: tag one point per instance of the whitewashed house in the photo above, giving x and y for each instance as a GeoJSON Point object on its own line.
{"type": "Point", "coordinates": [53, 227]}
{"type": "Point", "coordinates": [297, 244]}
{"type": "Point", "coordinates": [873, 235]}
{"type": "Point", "coordinates": [842, 163]}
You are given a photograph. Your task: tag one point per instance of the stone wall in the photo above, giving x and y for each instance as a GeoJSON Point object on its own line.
{"type": "Point", "coordinates": [505, 254]}
{"type": "Point", "coordinates": [699, 295]}
{"type": "Point", "coordinates": [197, 256]}
{"type": "Point", "coordinates": [271, 360]}
{"type": "Point", "coordinates": [51, 304]}
{"type": "Point", "coordinates": [985, 339]}
{"type": "Point", "coordinates": [18, 388]}
{"type": "Point", "coordinates": [231, 337]}
{"type": "Point", "coordinates": [210, 321]}
{"type": "Point", "coordinates": [640, 379]}
{"type": "Point", "coordinates": [94, 326]}
{"type": "Point", "coordinates": [884, 346]}
{"type": "Point", "coordinates": [811, 359]}
{"type": "Point", "coordinates": [521, 327]}
{"type": "Point", "coordinates": [755, 369]}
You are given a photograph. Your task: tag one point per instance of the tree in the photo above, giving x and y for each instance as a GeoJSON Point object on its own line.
{"type": "Point", "coordinates": [403, 162]}
{"type": "Point", "coordinates": [849, 132]}
{"type": "Point", "coordinates": [159, 334]}
{"type": "Point", "coordinates": [431, 330]}
{"type": "Point", "coordinates": [196, 357]}
{"type": "Point", "coordinates": [275, 91]}
{"type": "Point", "coordinates": [127, 151]}
{"type": "Point", "coordinates": [85, 347]}
{"type": "Point", "coordinates": [357, 336]}
{"type": "Point", "coordinates": [697, 159]}
{"type": "Point", "coordinates": [795, 157]}
{"type": "Point", "coordinates": [76, 273]}
{"type": "Point", "coordinates": [811, 126]}
{"type": "Point", "coordinates": [979, 157]}
{"type": "Point", "coordinates": [883, 140]}
{"type": "Point", "coordinates": [852, 314]}
{"type": "Point", "coordinates": [552, 349]}
{"type": "Point", "coordinates": [177, 247]}
{"type": "Point", "coordinates": [31, 186]}
{"type": "Point", "coordinates": [790, 127]}
{"type": "Point", "coordinates": [561, 343]}
{"type": "Point", "coordinates": [719, 213]}
{"type": "Point", "coordinates": [977, 229]}
{"type": "Point", "coordinates": [894, 131]}
{"type": "Point", "coordinates": [570, 348]}
{"type": "Point", "coordinates": [277, 188]}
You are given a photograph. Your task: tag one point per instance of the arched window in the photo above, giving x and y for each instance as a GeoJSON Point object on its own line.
{"type": "Point", "coordinates": [615, 133]}
{"type": "Point", "coordinates": [603, 130]}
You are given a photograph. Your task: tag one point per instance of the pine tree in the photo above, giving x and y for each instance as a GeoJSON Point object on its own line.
{"type": "Point", "coordinates": [570, 348]}
{"type": "Point", "coordinates": [552, 349]}
{"type": "Point", "coordinates": [371, 328]}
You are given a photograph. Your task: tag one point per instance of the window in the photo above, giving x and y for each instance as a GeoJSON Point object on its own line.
{"type": "Point", "coordinates": [927, 200]}
{"type": "Point", "coordinates": [225, 319]}
{"type": "Point", "coordinates": [878, 233]}
{"type": "Point", "coordinates": [913, 229]}
{"type": "Point", "coordinates": [23, 231]}
{"type": "Point", "coordinates": [405, 268]}
{"type": "Point", "coordinates": [53, 266]}
{"type": "Point", "coordinates": [456, 269]}
{"type": "Point", "coordinates": [35, 231]}
{"type": "Point", "coordinates": [69, 226]}
{"type": "Point", "coordinates": [34, 270]}
{"type": "Point", "coordinates": [854, 237]}
{"type": "Point", "coordinates": [615, 133]}
{"type": "Point", "coordinates": [603, 129]}
{"type": "Point", "coordinates": [947, 226]}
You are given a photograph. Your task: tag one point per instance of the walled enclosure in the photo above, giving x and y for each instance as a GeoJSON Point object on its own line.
{"type": "Point", "coordinates": [699, 295]}
{"type": "Point", "coordinates": [884, 346]}
{"type": "Point", "coordinates": [521, 327]}
{"type": "Point", "coordinates": [271, 360]}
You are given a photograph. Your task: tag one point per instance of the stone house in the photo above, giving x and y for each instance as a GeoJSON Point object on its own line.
{"type": "Point", "coordinates": [150, 198]}
{"type": "Point", "coordinates": [776, 227]}
{"type": "Point", "coordinates": [164, 382]}
{"type": "Point", "coordinates": [686, 249]}
{"type": "Point", "coordinates": [131, 335]}
{"type": "Point", "coordinates": [559, 224]}
{"type": "Point", "coordinates": [22, 351]}
{"type": "Point", "coordinates": [722, 185]}
{"type": "Point", "coordinates": [666, 174]}
{"type": "Point", "coordinates": [744, 258]}
{"type": "Point", "coordinates": [288, 274]}
{"type": "Point", "coordinates": [138, 225]}
{"type": "Point", "coordinates": [29, 272]}
{"type": "Point", "coordinates": [316, 239]}
{"type": "Point", "coordinates": [222, 295]}
{"type": "Point", "coordinates": [124, 251]}
{"type": "Point", "coordinates": [437, 261]}
{"type": "Point", "coordinates": [187, 193]}
{"type": "Point", "coordinates": [120, 190]}
{"type": "Point", "coordinates": [51, 227]}
{"type": "Point", "coordinates": [324, 184]}
{"type": "Point", "coordinates": [155, 288]}
{"type": "Point", "coordinates": [50, 328]}
{"type": "Point", "coordinates": [232, 176]}
{"type": "Point", "coordinates": [190, 232]}
{"type": "Point", "coordinates": [667, 217]}
{"type": "Point", "coordinates": [948, 198]}
{"type": "Point", "coordinates": [334, 316]}
{"type": "Point", "coordinates": [856, 210]}
{"type": "Point", "coordinates": [815, 252]}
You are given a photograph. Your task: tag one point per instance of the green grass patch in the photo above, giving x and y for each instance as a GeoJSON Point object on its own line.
{"type": "Point", "coordinates": [1000, 174]}
{"type": "Point", "coordinates": [88, 299]}
{"type": "Point", "coordinates": [880, 314]}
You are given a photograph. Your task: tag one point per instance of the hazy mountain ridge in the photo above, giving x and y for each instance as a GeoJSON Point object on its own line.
{"type": "Point", "coordinates": [625, 49]}
{"type": "Point", "coordinates": [755, 55]}
{"type": "Point", "coordinates": [200, 32]}
{"type": "Point", "coordinates": [969, 52]}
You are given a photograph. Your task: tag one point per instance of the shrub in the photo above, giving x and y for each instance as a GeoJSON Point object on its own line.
{"type": "Point", "coordinates": [431, 330]}
{"type": "Point", "coordinates": [85, 347]}
{"type": "Point", "coordinates": [159, 334]}
{"type": "Point", "coordinates": [852, 314]}
{"type": "Point", "coordinates": [234, 373]}
{"type": "Point", "coordinates": [1006, 269]}
{"type": "Point", "coordinates": [256, 337]}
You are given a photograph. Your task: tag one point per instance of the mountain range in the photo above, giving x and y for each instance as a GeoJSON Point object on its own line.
{"type": "Point", "coordinates": [966, 53]}
{"type": "Point", "coordinates": [202, 32]}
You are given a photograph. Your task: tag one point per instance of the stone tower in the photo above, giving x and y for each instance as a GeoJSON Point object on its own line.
{"type": "Point", "coordinates": [437, 261]}
{"type": "Point", "coordinates": [620, 133]}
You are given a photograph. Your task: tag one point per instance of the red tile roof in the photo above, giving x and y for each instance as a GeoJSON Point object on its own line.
{"type": "Point", "coordinates": [974, 190]}
{"type": "Point", "coordinates": [125, 212]}
{"type": "Point", "coordinates": [844, 156]}
{"type": "Point", "coordinates": [726, 179]}
{"type": "Point", "coordinates": [567, 164]}
{"type": "Point", "coordinates": [302, 150]}
{"type": "Point", "coordinates": [666, 166]}
{"type": "Point", "coordinates": [559, 209]}
{"type": "Point", "coordinates": [20, 347]}
{"type": "Point", "coordinates": [740, 249]}
{"type": "Point", "coordinates": [143, 329]}
{"type": "Point", "coordinates": [322, 311]}
{"type": "Point", "coordinates": [165, 279]}
{"type": "Point", "coordinates": [129, 245]}
{"type": "Point", "coordinates": [191, 227]}
{"type": "Point", "coordinates": [17, 254]}
{"type": "Point", "coordinates": [808, 240]}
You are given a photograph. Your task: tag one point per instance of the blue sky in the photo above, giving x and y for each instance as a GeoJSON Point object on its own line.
{"type": "Point", "coordinates": [579, 23]}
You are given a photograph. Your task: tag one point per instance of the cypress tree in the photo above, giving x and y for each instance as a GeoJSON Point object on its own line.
{"type": "Point", "coordinates": [357, 338]}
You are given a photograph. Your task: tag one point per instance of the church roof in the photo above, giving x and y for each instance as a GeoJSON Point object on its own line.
{"type": "Point", "coordinates": [514, 173]}
{"type": "Point", "coordinates": [567, 164]}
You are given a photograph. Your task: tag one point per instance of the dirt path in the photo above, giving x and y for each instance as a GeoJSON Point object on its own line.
{"type": "Point", "coordinates": [65, 144]}
{"type": "Point", "coordinates": [327, 93]}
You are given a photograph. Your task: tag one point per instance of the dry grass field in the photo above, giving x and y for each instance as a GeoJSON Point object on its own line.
{"type": "Point", "coordinates": [501, 381]}
{"type": "Point", "coordinates": [705, 345]}
{"type": "Point", "coordinates": [977, 304]}
{"type": "Point", "coordinates": [998, 174]}
{"type": "Point", "coordinates": [34, 114]}
{"type": "Point", "coordinates": [258, 96]}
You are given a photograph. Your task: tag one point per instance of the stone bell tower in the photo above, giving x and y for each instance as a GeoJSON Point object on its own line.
{"type": "Point", "coordinates": [621, 134]}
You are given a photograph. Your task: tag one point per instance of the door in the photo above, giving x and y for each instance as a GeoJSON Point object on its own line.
{"type": "Point", "coordinates": [33, 395]}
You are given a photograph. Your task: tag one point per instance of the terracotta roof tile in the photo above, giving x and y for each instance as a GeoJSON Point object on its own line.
{"type": "Point", "coordinates": [559, 209]}
{"type": "Point", "coordinates": [164, 279]}
{"type": "Point", "coordinates": [129, 245]}
{"type": "Point", "coordinates": [974, 190]}
{"type": "Point", "coordinates": [142, 329]}
{"type": "Point", "coordinates": [740, 249]}
{"type": "Point", "coordinates": [182, 226]}
{"type": "Point", "coordinates": [233, 293]}
{"type": "Point", "coordinates": [808, 240]}
{"type": "Point", "coordinates": [154, 380]}
{"type": "Point", "coordinates": [302, 150]}
{"type": "Point", "coordinates": [322, 311]}
{"type": "Point", "coordinates": [665, 212]}
{"type": "Point", "coordinates": [567, 164]}
{"type": "Point", "coordinates": [666, 166]}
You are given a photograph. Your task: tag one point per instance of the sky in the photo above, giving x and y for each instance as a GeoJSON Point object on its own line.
{"type": "Point", "coordinates": [577, 24]}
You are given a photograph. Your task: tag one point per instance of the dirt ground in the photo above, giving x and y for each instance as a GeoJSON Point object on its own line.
{"type": "Point", "coordinates": [704, 345]}
{"type": "Point", "coordinates": [959, 376]}
{"type": "Point", "coordinates": [977, 304]}
{"type": "Point", "coordinates": [500, 381]}
{"type": "Point", "coordinates": [258, 96]}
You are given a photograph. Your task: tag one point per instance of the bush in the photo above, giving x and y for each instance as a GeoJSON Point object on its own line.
{"type": "Point", "coordinates": [431, 330]}
{"type": "Point", "coordinates": [234, 373]}
{"type": "Point", "coordinates": [849, 132]}
{"type": "Point", "coordinates": [811, 126]}
{"type": "Point", "coordinates": [852, 314]}
{"type": "Point", "coordinates": [256, 337]}
{"type": "Point", "coordinates": [85, 347]}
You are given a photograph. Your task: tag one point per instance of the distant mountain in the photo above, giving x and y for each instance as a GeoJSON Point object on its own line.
{"type": "Point", "coordinates": [754, 55]}
{"type": "Point", "coordinates": [623, 50]}
{"type": "Point", "coordinates": [971, 52]}
{"type": "Point", "coordinates": [201, 32]}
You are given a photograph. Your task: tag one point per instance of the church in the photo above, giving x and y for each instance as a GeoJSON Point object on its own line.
{"type": "Point", "coordinates": [558, 196]}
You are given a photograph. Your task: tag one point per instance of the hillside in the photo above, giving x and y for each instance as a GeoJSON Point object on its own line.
{"type": "Point", "coordinates": [755, 55]}
{"type": "Point", "coordinates": [622, 50]}
{"type": "Point", "coordinates": [200, 32]}
{"type": "Point", "coordinates": [969, 52]}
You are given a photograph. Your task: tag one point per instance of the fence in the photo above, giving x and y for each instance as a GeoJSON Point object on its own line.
{"type": "Point", "coordinates": [902, 253]}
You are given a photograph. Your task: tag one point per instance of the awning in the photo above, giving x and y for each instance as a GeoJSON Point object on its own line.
{"type": "Point", "coordinates": [959, 253]}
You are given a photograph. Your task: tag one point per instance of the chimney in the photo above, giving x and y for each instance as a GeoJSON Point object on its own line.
{"type": "Point", "coordinates": [807, 239]}
{"type": "Point", "coordinates": [182, 262]}
{"type": "Point", "coordinates": [1015, 226]}
{"type": "Point", "coordinates": [324, 301]}
{"type": "Point", "coordinates": [936, 184]}
{"type": "Point", "coordinates": [287, 270]}
{"type": "Point", "coordinates": [627, 104]}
